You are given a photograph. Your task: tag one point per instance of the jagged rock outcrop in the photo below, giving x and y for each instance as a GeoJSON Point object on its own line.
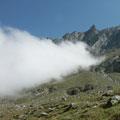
{"type": "Point", "coordinates": [110, 65]}
{"type": "Point", "coordinates": [100, 41]}
{"type": "Point", "coordinates": [74, 36]}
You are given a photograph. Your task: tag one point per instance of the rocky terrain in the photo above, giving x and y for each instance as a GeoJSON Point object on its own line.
{"type": "Point", "coordinates": [86, 95]}
{"type": "Point", "coordinates": [101, 41]}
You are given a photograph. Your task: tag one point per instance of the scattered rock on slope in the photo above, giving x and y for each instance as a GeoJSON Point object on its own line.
{"type": "Point", "coordinates": [113, 101]}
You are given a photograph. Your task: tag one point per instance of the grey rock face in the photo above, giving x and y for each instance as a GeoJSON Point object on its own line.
{"type": "Point", "coordinates": [74, 36]}
{"type": "Point", "coordinates": [100, 41]}
{"type": "Point", "coordinates": [111, 65]}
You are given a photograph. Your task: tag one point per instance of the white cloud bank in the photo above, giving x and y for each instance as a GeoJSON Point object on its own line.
{"type": "Point", "coordinates": [26, 60]}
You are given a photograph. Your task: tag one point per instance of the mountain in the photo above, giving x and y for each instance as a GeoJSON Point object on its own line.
{"type": "Point", "coordinates": [87, 95]}
{"type": "Point", "coordinates": [101, 41]}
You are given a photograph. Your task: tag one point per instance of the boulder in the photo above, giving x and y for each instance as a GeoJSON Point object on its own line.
{"type": "Point", "coordinates": [22, 117]}
{"type": "Point", "coordinates": [73, 91]}
{"type": "Point", "coordinates": [113, 101]}
{"type": "Point", "coordinates": [108, 93]}
{"type": "Point", "coordinates": [87, 87]}
{"type": "Point", "coordinates": [52, 89]}
{"type": "Point", "coordinates": [70, 106]}
{"type": "Point", "coordinates": [44, 114]}
{"type": "Point", "coordinates": [39, 114]}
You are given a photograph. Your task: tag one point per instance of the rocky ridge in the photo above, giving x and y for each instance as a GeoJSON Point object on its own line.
{"type": "Point", "coordinates": [101, 41]}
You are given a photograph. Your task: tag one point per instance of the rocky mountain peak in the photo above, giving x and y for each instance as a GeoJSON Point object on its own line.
{"type": "Point", "coordinates": [93, 29]}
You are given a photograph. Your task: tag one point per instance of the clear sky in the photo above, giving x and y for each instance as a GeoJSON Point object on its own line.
{"type": "Point", "coordinates": [53, 18]}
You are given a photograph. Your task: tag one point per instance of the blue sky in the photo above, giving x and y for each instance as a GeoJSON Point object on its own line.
{"type": "Point", "coordinates": [53, 18]}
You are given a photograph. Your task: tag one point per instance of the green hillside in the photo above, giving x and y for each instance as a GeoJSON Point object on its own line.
{"type": "Point", "coordinates": [86, 95]}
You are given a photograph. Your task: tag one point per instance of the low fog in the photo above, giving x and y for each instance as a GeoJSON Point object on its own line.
{"type": "Point", "coordinates": [26, 60]}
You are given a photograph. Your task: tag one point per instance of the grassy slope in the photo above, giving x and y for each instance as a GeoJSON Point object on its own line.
{"type": "Point", "coordinates": [88, 104]}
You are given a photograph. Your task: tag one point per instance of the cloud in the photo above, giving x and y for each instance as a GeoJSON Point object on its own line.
{"type": "Point", "coordinates": [26, 60]}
